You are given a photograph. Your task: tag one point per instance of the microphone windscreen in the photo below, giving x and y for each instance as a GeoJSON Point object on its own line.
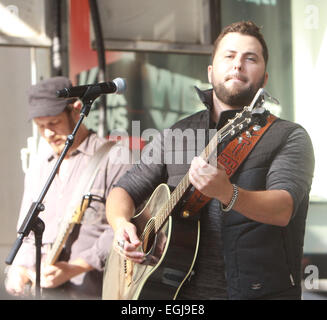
{"type": "Point", "coordinates": [120, 84]}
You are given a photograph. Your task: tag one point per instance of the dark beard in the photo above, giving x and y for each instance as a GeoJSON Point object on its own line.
{"type": "Point", "coordinates": [238, 99]}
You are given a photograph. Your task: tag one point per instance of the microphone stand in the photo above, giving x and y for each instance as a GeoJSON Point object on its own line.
{"type": "Point", "coordinates": [32, 222]}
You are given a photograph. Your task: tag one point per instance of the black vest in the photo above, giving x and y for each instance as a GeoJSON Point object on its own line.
{"type": "Point", "coordinates": [261, 260]}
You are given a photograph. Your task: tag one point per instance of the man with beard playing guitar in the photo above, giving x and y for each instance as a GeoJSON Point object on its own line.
{"type": "Point", "coordinates": [251, 232]}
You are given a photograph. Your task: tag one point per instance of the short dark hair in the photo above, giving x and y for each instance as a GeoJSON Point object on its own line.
{"type": "Point", "coordinates": [246, 28]}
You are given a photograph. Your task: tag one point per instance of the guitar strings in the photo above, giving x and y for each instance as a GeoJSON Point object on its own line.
{"type": "Point", "coordinates": [185, 183]}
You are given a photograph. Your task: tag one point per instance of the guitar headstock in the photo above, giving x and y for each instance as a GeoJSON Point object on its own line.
{"type": "Point", "coordinates": [255, 114]}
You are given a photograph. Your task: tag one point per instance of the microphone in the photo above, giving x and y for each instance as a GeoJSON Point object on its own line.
{"type": "Point", "coordinates": [117, 85]}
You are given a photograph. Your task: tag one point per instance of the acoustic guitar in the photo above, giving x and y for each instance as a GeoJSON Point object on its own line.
{"type": "Point", "coordinates": [169, 235]}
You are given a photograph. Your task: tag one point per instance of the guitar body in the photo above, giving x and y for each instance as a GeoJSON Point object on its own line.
{"type": "Point", "coordinates": [164, 272]}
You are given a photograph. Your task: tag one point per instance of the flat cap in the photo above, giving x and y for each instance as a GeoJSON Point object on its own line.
{"type": "Point", "coordinates": [42, 99]}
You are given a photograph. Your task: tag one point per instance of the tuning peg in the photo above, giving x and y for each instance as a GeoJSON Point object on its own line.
{"type": "Point", "coordinates": [258, 111]}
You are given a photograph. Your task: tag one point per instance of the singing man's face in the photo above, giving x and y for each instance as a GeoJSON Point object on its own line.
{"type": "Point", "coordinates": [238, 69]}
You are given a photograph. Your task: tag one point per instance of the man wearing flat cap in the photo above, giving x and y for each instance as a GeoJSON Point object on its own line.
{"type": "Point", "coordinates": [77, 272]}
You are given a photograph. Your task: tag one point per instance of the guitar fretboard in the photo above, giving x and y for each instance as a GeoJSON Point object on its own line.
{"type": "Point", "coordinates": [57, 246]}
{"type": "Point", "coordinates": [237, 124]}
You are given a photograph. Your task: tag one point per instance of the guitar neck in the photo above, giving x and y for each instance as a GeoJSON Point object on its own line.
{"type": "Point", "coordinates": [185, 184]}
{"type": "Point", "coordinates": [234, 126]}
{"type": "Point", "coordinates": [59, 243]}
{"type": "Point", "coordinates": [65, 228]}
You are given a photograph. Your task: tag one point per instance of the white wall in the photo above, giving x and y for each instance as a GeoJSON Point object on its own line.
{"type": "Point", "coordinates": [14, 128]}
{"type": "Point", "coordinates": [20, 67]}
{"type": "Point", "coordinates": [309, 23]}
{"type": "Point", "coordinates": [310, 68]}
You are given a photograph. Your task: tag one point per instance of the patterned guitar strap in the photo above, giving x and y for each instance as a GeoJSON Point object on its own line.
{"type": "Point", "coordinates": [230, 158]}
